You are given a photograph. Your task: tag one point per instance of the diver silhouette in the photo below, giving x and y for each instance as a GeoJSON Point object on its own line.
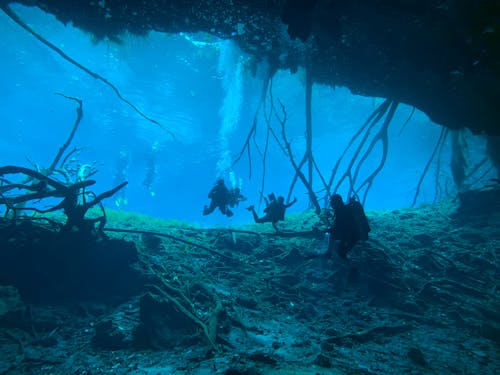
{"type": "Point", "coordinates": [223, 198]}
{"type": "Point", "coordinates": [350, 225]}
{"type": "Point", "coordinates": [274, 212]}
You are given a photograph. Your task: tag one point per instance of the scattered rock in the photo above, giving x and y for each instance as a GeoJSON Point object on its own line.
{"type": "Point", "coordinates": [109, 336]}
{"type": "Point", "coordinates": [417, 357]}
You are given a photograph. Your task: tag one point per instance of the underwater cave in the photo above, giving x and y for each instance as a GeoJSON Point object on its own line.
{"type": "Point", "coordinates": [118, 119]}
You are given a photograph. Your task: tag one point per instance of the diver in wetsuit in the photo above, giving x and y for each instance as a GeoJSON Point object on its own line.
{"type": "Point", "coordinates": [221, 197]}
{"type": "Point", "coordinates": [350, 225]}
{"type": "Point", "coordinates": [274, 212]}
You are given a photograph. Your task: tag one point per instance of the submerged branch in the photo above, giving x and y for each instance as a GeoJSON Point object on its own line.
{"type": "Point", "coordinates": [63, 148]}
{"type": "Point", "coordinates": [47, 187]}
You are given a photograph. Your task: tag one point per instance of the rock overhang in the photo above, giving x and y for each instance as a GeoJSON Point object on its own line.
{"type": "Point", "coordinates": [442, 57]}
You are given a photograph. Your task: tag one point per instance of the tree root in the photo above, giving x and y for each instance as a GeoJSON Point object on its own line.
{"type": "Point", "coordinates": [185, 305]}
{"type": "Point", "coordinates": [442, 138]}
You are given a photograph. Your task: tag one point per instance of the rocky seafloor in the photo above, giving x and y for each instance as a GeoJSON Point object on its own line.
{"type": "Point", "coordinates": [421, 296]}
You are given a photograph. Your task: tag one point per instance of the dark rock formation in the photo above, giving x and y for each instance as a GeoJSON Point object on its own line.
{"type": "Point", "coordinates": [439, 56]}
{"type": "Point", "coordinates": [50, 267]}
{"type": "Point", "coordinates": [479, 202]}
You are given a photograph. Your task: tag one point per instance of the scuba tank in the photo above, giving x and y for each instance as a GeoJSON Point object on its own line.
{"type": "Point", "coordinates": [358, 213]}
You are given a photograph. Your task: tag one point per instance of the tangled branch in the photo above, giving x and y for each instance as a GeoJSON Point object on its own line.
{"type": "Point", "coordinates": [74, 201]}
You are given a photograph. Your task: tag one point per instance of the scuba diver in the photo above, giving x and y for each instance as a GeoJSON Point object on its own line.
{"type": "Point", "coordinates": [274, 212]}
{"type": "Point", "coordinates": [151, 169]}
{"type": "Point", "coordinates": [223, 198]}
{"type": "Point", "coordinates": [350, 225]}
{"type": "Point", "coordinates": [120, 175]}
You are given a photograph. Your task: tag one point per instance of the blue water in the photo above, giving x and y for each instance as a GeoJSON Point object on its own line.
{"type": "Point", "coordinates": [203, 90]}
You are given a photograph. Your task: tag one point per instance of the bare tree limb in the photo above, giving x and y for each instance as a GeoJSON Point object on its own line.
{"type": "Point", "coordinates": [62, 149]}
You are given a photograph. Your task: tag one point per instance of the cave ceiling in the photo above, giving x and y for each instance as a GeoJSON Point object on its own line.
{"type": "Point", "coordinates": [439, 56]}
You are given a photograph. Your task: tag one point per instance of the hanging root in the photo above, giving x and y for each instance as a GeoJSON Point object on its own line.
{"type": "Point", "coordinates": [14, 17]}
{"type": "Point", "coordinates": [298, 172]}
{"type": "Point", "coordinates": [442, 137]}
{"type": "Point", "coordinates": [388, 107]}
{"type": "Point", "coordinates": [382, 136]}
{"type": "Point", "coordinates": [458, 158]}
{"type": "Point", "coordinates": [253, 129]}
